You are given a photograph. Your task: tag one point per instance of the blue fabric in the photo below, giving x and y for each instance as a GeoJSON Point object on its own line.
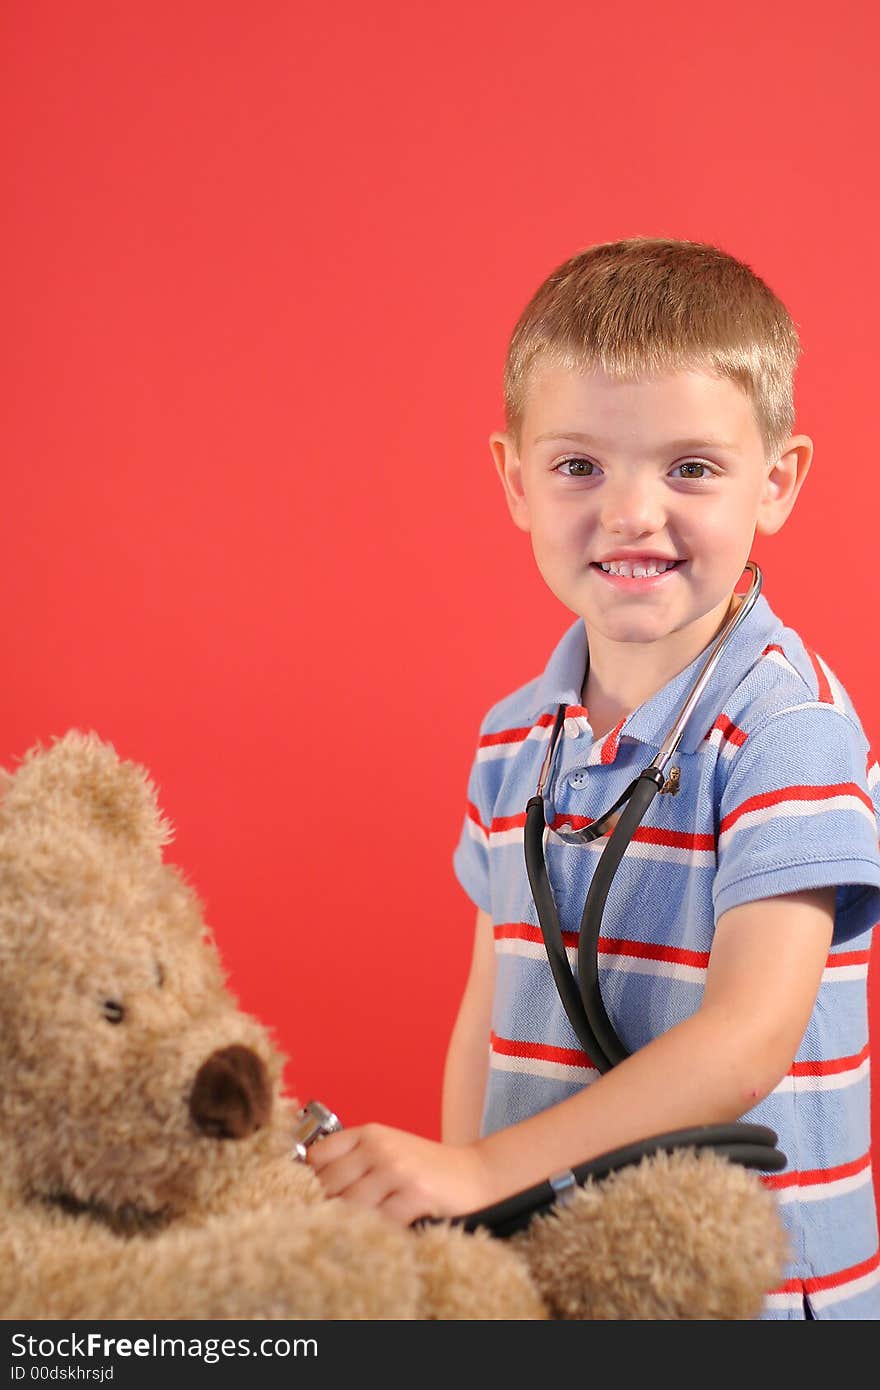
{"type": "Point", "coordinates": [779, 792]}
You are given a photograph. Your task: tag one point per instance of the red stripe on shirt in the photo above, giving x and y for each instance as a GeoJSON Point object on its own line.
{"type": "Point", "coordinates": [501, 823]}
{"type": "Point", "coordinates": [832, 1066]}
{"type": "Point", "coordinates": [824, 689]}
{"type": "Point", "coordinates": [525, 931]}
{"type": "Point", "coordinates": [794, 793]}
{"type": "Point", "coordinates": [847, 958]}
{"type": "Point", "coordinates": [474, 815]}
{"type": "Point", "coordinates": [730, 732]}
{"type": "Point", "coordinates": [516, 735]}
{"type": "Point", "coordinates": [675, 839]}
{"type": "Point", "coordinates": [813, 1177]}
{"type": "Point", "coordinates": [609, 747]}
{"type": "Point", "coordinates": [609, 946]}
{"type": "Point", "coordinates": [819, 1282]}
{"type": "Point", "coordinates": [578, 822]}
{"type": "Point", "coordinates": [543, 1052]}
{"type": "Point", "coordinates": [645, 835]}
{"type": "Point", "coordinates": [528, 931]}
{"type": "Point", "coordinates": [680, 839]}
{"type": "Point", "coordinates": [647, 950]}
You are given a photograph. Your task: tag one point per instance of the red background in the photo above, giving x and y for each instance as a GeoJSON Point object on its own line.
{"type": "Point", "coordinates": [261, 263]}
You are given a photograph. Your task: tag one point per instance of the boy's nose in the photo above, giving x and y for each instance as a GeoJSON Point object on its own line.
{"type": "Point", "coordinates": [632, 507]}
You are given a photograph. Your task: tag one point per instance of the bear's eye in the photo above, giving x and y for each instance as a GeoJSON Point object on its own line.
{"type": "Point", "coordinates": [113, 1012]}
{"type": "Point", "coordinates": [160, 975]}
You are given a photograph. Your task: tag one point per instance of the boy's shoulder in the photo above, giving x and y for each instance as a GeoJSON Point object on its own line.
{"type": "Point", "coordinates": [788, 676]}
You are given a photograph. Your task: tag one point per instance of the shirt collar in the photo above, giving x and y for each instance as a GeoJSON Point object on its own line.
{"type": "Point", "coordinates": [563, 678]}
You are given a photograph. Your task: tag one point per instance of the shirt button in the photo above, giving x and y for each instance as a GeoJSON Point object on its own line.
{"type": "Point", "coordinates": [571, 726]}
{"type": "Point", "coordinates": [580, 778]}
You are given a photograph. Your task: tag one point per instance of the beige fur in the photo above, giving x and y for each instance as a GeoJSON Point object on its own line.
{"type": "Point", "coordinates": [145, 1167]}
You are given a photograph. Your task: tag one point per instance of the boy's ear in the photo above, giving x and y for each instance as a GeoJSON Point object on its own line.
{"type": "Point", "coordinates": [507, 462]}
{"type": "Point", "coordinates": [783, 482]}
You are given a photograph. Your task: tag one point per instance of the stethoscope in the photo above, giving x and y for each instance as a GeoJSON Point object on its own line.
{"type": "Point", "coordinates": [582, 1001]}
{"type": "Point", "coordinates": [752, 1146]}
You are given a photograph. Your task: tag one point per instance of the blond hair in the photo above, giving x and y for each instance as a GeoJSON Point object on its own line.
{"type": "Point", "coordinates": [646, 305]}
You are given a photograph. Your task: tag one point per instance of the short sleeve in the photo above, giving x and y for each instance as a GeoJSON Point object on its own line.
{"type": "Point", "coordinates": [471, 857]}
{"type": "Point", "coordinates": [796, 813]}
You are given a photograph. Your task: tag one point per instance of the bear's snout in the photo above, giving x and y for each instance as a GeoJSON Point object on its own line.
{"type": "Point", "coordinates": [231, 1095]}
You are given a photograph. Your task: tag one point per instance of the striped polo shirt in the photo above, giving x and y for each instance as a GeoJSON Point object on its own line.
{"type": "Point", "coordinates": [778, 792]}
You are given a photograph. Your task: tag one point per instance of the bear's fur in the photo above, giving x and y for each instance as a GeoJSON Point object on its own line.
{"type": "Point", "coordinates": [145, 1140]}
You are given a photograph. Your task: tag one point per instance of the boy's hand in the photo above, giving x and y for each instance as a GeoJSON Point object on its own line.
{"type": "Point", "coordinates": [401, 1174]}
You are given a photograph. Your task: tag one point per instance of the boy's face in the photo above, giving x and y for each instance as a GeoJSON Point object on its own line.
{"type": "Point", "coordinates": [671, 466]}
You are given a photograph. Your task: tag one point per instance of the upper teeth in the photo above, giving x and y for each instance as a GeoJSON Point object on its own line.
{"type": "Point", "coordinates": [638, 570]}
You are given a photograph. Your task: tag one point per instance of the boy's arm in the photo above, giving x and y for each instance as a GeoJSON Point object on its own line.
{"type": "Point", "coordinates": [467, 1058]}
{"type": "Point", "coordinates": [764, 973]}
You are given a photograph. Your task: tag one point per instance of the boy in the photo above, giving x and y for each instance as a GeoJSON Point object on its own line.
{"type": "Point", "coordinates": [648, 392]}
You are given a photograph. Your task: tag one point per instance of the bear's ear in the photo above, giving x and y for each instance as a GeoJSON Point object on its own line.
{"type": "Point", "coordinates": [82, 780]}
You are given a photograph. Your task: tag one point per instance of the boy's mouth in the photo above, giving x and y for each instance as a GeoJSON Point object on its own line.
{"type": "Point", "coordinates": [636, 574]}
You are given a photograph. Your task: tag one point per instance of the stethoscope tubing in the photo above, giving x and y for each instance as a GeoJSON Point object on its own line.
{"type": "Point", "coordinates": [583, 1001]}
{"type": "Point", "coordinates": [751, 1146]}
{"type": "Point", "coordinates": [607, 1042]}
{"type": "Point", "coordinates": [582, 998]}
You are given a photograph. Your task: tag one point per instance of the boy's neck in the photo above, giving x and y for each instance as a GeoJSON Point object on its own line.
{"type": "Point", "coordinates": [624, 675]}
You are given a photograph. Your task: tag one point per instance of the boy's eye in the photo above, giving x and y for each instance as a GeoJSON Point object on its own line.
{"type": "Point", "coordinates": [695, 463]}
{"type": "Point", "coordinates": [578, 464]}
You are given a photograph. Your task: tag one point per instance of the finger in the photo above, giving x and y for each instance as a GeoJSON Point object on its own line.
{"type": "Point", "coordinates": [370, 1190]}
{"type": "Point", "coordinates": [406, 1205]}
{"type": "Point", "coordinates": [330, 1147]}
{"type": "Point", "coordinates": [337, 1177]}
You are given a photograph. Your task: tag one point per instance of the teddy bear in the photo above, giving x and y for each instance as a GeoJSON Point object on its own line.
{"type": "Point", "coordinates": [146, 1138]}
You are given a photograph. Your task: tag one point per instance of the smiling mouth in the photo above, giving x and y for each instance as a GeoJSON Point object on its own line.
{"type": "Point", "coordinates": [636, 569]}
{"type": "Point", "coordinates": [641, 577]}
